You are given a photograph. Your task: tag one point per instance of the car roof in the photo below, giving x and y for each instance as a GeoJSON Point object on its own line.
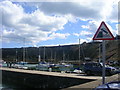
{"type": "Point", "coordinates": [91, 63]}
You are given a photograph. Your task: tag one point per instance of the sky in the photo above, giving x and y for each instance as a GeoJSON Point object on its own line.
{"type": "Point", "coordinates": [30, 23]}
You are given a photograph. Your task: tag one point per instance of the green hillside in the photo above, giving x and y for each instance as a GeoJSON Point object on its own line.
{"type": "Point", "coordinates": [60, 53]}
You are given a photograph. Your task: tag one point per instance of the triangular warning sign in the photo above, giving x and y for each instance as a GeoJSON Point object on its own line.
{"type": "Point", "coordinates": [103, 33]}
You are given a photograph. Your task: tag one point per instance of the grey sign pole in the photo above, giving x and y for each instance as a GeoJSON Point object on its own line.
{"type": "Point", "coordinates": [103, 33]}
{"type": "Point", "coordinates": [103, 62]}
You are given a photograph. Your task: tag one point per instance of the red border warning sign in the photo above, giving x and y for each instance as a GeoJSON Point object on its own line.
{"type": "Point", "coordinates": [103, 33]}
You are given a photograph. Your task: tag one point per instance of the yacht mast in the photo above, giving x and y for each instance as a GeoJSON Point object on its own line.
{"type": "Point", "coordinates": [51, 54]}
{"type": "Point", "coordinates": [63, 57]}
{"type": "Point", "coordinates": [79, 51]}
{"type": "Point", "coordinates": [44, 53]}
{"type": "Point", "coordinates": [55, 57]}
{"type": "Point", "coordinates": [39, 58]}
{"type": "Point", "coordinates": [24, 50]}
{"type": "Point", "coordinates": [99, 52]}
{"type": "Point", "coordinates": [16, 55]}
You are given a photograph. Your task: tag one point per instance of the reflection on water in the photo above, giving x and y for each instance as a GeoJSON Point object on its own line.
{"type": "Point", "coordinates": [6, 87]}
{"type": "Point", "coordinates": [1, 86]}
{"type": "Point", "coordinates": [18, 81]}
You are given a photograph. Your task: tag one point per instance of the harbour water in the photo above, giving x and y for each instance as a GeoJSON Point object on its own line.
{"type": "Point", "coordinates": [9, 86]}
{"type": "Point", "coordinates": [1, 87]}
{"type": "Point", "coordinates": [16, 80]}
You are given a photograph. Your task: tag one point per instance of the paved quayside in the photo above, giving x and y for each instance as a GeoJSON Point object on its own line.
{"type": "Point", "coordinates": [94, 84]}
{"type": "Point", "coordinates": [71, 75]}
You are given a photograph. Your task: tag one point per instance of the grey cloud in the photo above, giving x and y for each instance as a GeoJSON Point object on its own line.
{"type": "Point", "coordinates": [34, 27]}
{"type": "Point", "coordinates": [69, 8]}
{"type": "Point", "coordinates": [115, 13]}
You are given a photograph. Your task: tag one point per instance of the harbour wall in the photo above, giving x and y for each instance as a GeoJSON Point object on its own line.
{"type": "Point", "coordinates": [94, 84]}
{"type": "Point", "coordinates": [23, 80]}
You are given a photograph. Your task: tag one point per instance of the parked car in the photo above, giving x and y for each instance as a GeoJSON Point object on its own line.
{"type": "Point", "coordinates": [109, 86]}
{"type": "Point", "coordinates": [93, 68]}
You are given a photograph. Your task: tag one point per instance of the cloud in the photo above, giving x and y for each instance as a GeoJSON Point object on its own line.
{"type": "Point", "coordinates": [77, 9]}
{"type": "Point", "coordinates": [85, 40]}
{"type": "Point", "coordinates": [83, 33]}
{"type": "Point", "coordinates": [85, 26]}
{"type": "Point", "coordinates": [85, 10]}
{"type": "Point", "coordinates": [34, 27]}
{"type": "Point", "coordinates": [47, 18]}
{"type": "Point", "coordinates": [88, 30]}
{"type": "Point", "coordinates": [10, 13]}
{"type": "Point", "coordinates": [114, 14]}
{"type": "Point", "coordinates": [76, 34]}
{"type": "Point", "coordinates": [44, 22]}
{"type": "Point", "coordinates": [58, 35]}
{"type": "Point", "coordinates": [92, 25]}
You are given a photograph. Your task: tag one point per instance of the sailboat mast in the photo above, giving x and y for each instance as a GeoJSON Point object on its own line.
{"type": "Point", "coordinates": [63, 57]}
{"type": "Point", "coordinates": [44, 53]}
{"type": "Point", "coordinates": [24, 51]}
{"type": "Point", "coordinates": [39, 58]}
{"type": "Point", "coordinates": [55, 57]}
{"type": "Point", "coordinates": [99, 52]}
{"type": "Point", "coordinates": [79, 51]}
{"type": "Point", "coordinates": [51, 54]}
{"type": "Point", "coordinates": [16, 55]}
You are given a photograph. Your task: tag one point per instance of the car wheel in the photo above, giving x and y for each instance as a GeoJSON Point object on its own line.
{"type": "Point", "coordinates": [108, 73]}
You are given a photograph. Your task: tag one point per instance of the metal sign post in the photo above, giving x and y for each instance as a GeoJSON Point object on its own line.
{"type": "Point", "coordinates": [103, 33]}
{"type": "Point", "coordinates": [103, 61]}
